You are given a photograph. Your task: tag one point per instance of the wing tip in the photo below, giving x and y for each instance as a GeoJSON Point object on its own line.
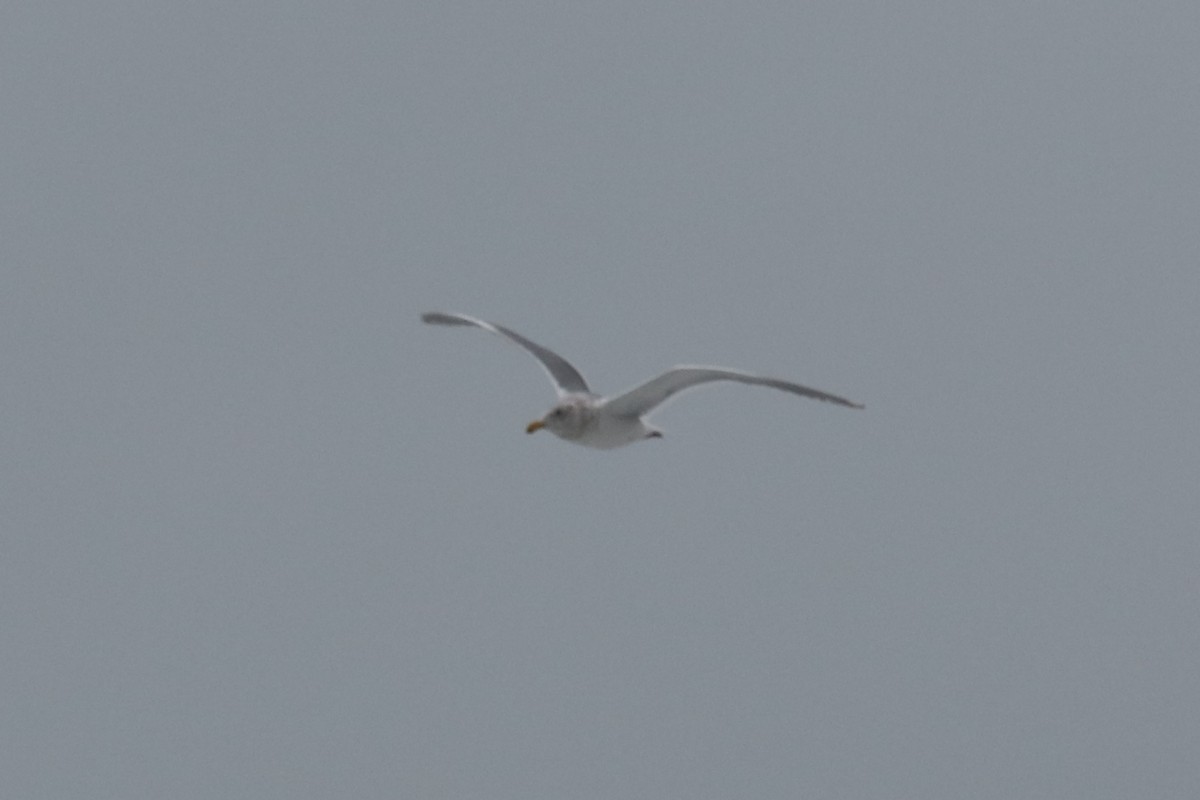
{"type": "Point", "coordinates": [442, 318]}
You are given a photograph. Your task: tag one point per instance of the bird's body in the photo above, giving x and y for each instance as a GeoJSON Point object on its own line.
{"type": "Point", "coordinates": [585, 418]}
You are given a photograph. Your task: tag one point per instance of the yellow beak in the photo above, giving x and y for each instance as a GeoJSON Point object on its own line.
{"type": "Point", "coordinates": [534, 426]}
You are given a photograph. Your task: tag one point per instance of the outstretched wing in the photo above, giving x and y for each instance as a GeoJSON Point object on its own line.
{"type": "Point", "coordinates": [567, 379]}
{"type": "Point", "coordinates": [656, 391]}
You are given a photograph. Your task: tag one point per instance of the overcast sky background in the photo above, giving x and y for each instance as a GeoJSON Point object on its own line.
{"type": "Point", "coordinates": [267, 536]}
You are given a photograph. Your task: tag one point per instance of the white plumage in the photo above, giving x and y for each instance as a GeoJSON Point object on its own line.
{"type": "Point", "coordinates": [583, 417]}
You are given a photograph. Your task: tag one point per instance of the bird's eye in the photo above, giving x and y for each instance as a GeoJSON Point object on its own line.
{"type": "Point", "coordinates": [558, 412]}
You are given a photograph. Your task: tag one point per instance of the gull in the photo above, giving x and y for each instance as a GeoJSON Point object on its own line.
{"type": "Point", "coordinates": [583, 417]}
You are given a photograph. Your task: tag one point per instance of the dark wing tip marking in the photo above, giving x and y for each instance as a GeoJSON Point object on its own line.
{"type": "Point", "coordinates": [438, 318]}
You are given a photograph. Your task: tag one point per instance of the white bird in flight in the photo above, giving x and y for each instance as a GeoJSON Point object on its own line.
{"type": "Point", "coordinates": [585, 418]}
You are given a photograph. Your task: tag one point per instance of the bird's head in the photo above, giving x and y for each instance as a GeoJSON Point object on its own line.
{"type": "Point", "coordinates": [567, 419]}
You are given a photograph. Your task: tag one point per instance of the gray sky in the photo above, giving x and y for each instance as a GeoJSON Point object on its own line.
{"type": "Point", "coordinates": [267, 536]}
